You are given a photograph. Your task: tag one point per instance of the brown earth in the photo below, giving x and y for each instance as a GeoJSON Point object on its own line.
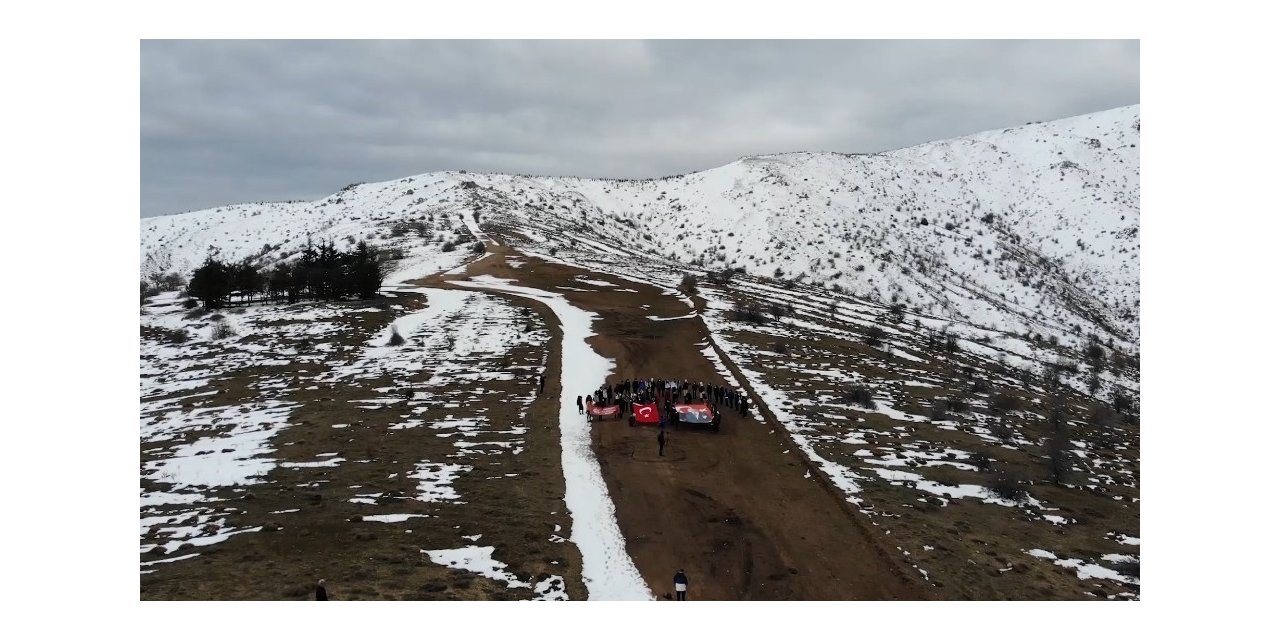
{"type": "Point", "coordinates": [741, 511]}
{"type": "Point", "coordinates": [311, 530]}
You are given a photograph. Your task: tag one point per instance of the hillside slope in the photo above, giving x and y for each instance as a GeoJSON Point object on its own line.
{"type": "Point", "coordinates": [1031, 230]}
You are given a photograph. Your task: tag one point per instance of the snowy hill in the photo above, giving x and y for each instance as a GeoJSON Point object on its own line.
{"type": "Point", "coordinates": [1031, 230]}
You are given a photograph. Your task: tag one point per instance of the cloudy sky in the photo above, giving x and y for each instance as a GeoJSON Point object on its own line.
{"type": "Point", "coordinates": [239, 121]}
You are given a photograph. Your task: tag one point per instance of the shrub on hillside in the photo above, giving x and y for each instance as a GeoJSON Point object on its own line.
{"type": "Point", "coordinates": [190, 303]}
{"type": "Point", "coordinates": [689, 283]}
{"type": "Point", "coordinates": [721, 277]}
{"type": "Point", "coordinates": [938, 410]}
{"type": "Point", "coordinates": [1002, 432]}
{"type": "Point", "coordinates": [1122, 403]}
{"type": "Point", "coordinates": [171, 282]}
{"type": "Point", "coordinates": [778, 347]}
{"type": "Point", "coordinates": [146, 291]}
{"type": "Point", "coordinates": [861, 395]}
{"type": "Point", "coordinates": [221, 330]}
{"type": "Point", "coordinates": [1058, 448]}
{"type": "Point", "coordinates": [1128, 568]}
{"type": "Point", "coordinates": [981, 461]}
{"type": "Point", "coordinates": [874, 336]}
{"type": "Point", "coordinates": [1094, 352]}
{"type": "Point", "coordinates": [748, 312]}
{"type": "Point", "coordinates": [396, 339]}
{"type": "Point", "coordinates": [1007, 487]}
{"type": "Point", "coordinates": [1004, 403]}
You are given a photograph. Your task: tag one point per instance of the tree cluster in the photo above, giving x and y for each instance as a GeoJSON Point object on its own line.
{"type": "Point", "coordinates": [160, 282]}
{"type": "Point", "coordinates": [322, 272]}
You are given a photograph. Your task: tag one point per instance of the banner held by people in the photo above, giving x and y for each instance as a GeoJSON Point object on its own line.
{"type": "Point", "coordinates": [603, 411]}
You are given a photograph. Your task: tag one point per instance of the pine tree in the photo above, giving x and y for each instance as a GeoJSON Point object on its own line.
{"type": "Point", "coordinates": [280, 281]}
{"type": "Point", "coordinates": [211, 283]}
{"type": "Point", "coordinates": [246, 280]}
{"type": "Point", "coordinates": [365, 271]}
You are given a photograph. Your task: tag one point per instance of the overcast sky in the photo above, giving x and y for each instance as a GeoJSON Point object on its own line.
{"type": "Point", "coordinates": [225, 122]}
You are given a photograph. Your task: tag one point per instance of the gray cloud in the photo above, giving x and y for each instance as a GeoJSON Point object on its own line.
{"type": "Point", "coordinates": [238, 121]}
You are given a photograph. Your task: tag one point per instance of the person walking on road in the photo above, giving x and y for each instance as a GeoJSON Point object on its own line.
{"type": "Point", "coordinates": [579, 405]}
{"type": "Point", "coordinates": [662, 441]}
{"type": "Point", "coordinates": [542, 384]}
{"type": "Point", "coordinates": [321, 592]}
{"type": "Point", "coordinates": [682, 584]}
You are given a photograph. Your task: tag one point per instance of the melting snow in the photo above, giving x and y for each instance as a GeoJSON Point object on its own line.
{"type": "Point", "coordinates": [607, 568]}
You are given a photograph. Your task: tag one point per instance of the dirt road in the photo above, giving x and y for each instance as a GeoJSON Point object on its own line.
{"type": "Point", "coordinates": [738, 510]}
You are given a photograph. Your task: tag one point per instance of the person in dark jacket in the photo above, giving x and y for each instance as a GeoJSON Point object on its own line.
{"type": "Point", "coordinates": [321, 592]}
{"type": "Point", "coordinates": [579, 405]}
{"type": "Point", "coordinates": [662, 441]}
{"type": "Point", "coordinates": [682, 584]}
{"type": "Point", "coordinates": [542, 384]}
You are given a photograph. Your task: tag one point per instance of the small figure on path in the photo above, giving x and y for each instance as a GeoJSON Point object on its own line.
{"type": "Point", "coordinates": [321, 592]}
{"type": "Point", "coordinates": [682, 584]}
{"type": "Point", "coordinates": [662, 440]}
{"type": "Point", "coordinates": [579, 405]}
{"type": "Point", "coordinates": [542, 384]}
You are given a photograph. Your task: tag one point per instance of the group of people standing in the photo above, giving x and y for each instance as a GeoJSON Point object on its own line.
{"type": "Point", "coordinates": [665, 392]}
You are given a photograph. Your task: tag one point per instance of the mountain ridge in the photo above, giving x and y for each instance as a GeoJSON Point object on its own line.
{"type": "Point", "coordinates": [1031, 229]}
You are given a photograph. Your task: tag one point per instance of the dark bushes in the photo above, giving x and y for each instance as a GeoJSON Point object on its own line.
{"type": "Point", "coordinates": [721, 277]}
{"type": "Point", "coordinates": [938, 410]}
{"type": "Point", "coordinates": [748, 312]}
{"type": "Point", "coordinates": [874, 336]}
{"type": "Point", "coordinates": [222, 330]}
{"type": "Point", "coordinates": [1122, 402]}
{"type": "Point", "coordinates": [861, 395]}
{"type": "Point", "coordinates": [1007, 487]}
{"type": "Point", "coordinates": [1004, 403]}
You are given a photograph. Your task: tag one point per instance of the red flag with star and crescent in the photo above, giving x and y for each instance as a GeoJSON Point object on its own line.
{"type": "Point", "coordinates": [646, 413]}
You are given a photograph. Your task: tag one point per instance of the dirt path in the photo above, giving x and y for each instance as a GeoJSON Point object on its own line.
{"type": "Point", "coordinates": [741, 511]}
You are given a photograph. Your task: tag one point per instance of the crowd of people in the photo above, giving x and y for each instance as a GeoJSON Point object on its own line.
{"type": "Point", "coordinates": [666, 393]}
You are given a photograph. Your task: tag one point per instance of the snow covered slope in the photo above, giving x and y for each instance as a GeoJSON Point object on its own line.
{"type": "Point", "coordinates": [416, 218]}
{"type": "Point", "coordinates": [1032, 229]}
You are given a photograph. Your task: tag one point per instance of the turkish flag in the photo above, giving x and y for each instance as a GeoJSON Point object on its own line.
{"type": "Point", "coordinates": [646, 413]}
